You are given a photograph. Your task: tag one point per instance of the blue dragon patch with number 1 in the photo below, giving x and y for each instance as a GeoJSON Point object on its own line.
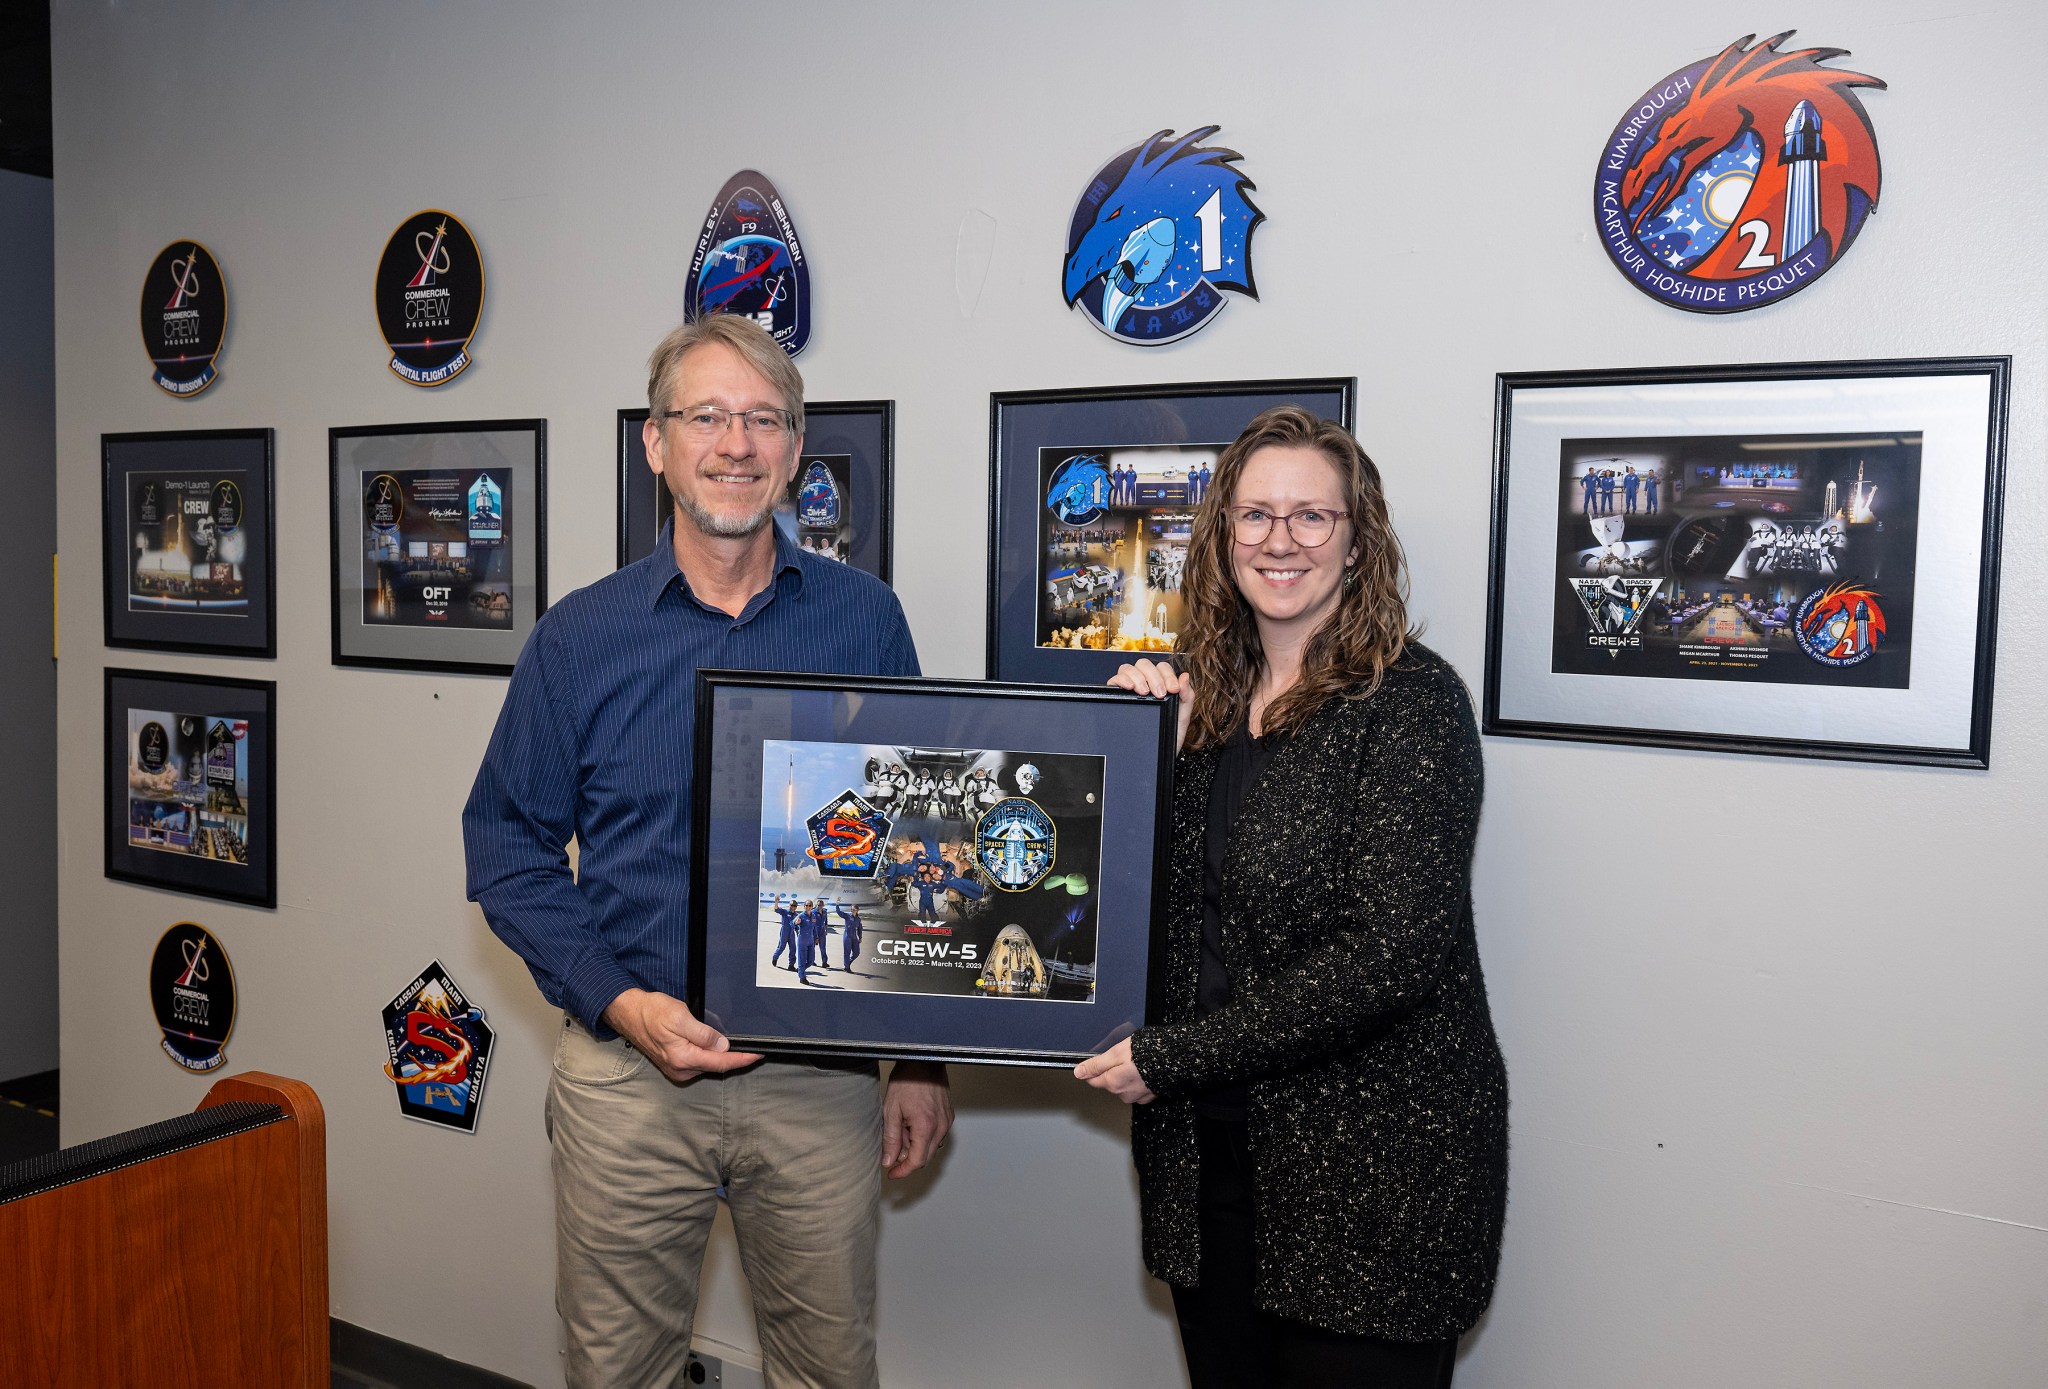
{"type": "Point", "coordinates": [1163, 229]}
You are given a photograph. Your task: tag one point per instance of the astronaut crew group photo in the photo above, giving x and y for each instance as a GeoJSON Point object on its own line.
{"type": "Point", "coordinates": [954, 871]}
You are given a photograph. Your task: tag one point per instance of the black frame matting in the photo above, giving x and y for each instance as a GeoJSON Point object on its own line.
{"type": "Point", "coordinates": [204, 696]}
{"type": "Point", "coordinates": [490, 653]}
{"type": "Point", "coordinates": [863, 429]}
{"type": "Point", "coordinates": [1021, 423]}
{"type": "Point", "coordinates": [197, 452]}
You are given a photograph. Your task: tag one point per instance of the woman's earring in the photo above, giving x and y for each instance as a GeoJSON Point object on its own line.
{"type": "Point", "coordinates": [1350, 577]}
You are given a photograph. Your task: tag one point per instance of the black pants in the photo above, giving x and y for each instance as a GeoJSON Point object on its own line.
{"type": "Point", "coordinates": [1231, 1344]}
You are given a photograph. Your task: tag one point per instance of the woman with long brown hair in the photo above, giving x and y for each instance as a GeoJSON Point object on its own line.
{"type": "Point", "coordinates": [1320, 1117]}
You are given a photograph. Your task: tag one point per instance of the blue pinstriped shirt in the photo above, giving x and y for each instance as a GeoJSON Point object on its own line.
{"type": "Point", "coordinates": [596, 739]}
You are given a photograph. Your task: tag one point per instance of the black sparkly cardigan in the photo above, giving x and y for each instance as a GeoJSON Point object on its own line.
{"type": "Point", "coordinates": [1379, 1104]}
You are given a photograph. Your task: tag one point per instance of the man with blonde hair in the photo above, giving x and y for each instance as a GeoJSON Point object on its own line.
{"type": "Point", "coordinates": [651, 1114]}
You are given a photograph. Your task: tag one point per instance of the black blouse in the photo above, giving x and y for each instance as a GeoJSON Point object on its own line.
{"type": "Point", "coordinates": [1242, 763]}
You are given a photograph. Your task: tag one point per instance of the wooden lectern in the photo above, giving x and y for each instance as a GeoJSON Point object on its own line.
{"type": "Point", "coordinates": [187, 1253]}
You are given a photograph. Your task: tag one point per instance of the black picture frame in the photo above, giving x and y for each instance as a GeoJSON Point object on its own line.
{"type": "Point", "coordinates": [1106, 785]}
{"type": "Point", "coordinates": [858, 436]}
{"type": "Point", "coordinates": [164, 827]}
{"type": "Point", "coordinates": [1027, 427]}
{"type": "Point", "coordinates": [174, 487]}
{"type": "Point", "coordinates": [421, 459]}
{"type": "Point", "coordinates": [1772, 602]}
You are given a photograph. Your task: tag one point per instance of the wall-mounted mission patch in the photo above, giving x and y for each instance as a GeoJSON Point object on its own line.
{"type": "Point", "coordinates": [184, 317]}
{"type": "Point", "coordinates": [192, 990]}
{"type": "Point", "coordinates": [1161, 231]}
{"type": "Point", "coordinates": [438, 1047]}
{"type": "Point", "coordinates": [430, 295]}
{"type": "Point", "coordinates": [1738, 179]}
{"type": "Point", "coordinates": [749, 261]}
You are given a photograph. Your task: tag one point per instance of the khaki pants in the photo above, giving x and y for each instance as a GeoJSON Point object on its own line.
{"type": "Point", "coordinates": [638, 1162]}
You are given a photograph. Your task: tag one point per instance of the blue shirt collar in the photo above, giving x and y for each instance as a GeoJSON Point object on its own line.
{"type": "Point", "coordinates": [663, 570]}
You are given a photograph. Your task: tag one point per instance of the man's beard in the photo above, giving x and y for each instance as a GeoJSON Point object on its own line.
{"type": "Point", "coordinates": [730, 527]}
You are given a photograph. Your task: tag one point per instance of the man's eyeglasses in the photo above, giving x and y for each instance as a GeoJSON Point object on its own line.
{"type": "Point", "coordinates": [709, 421]}
{"type": "Point", "coordinates": [1310, 527]}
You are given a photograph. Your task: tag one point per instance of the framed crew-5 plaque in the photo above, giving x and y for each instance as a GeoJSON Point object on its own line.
{"type": "Point", "coordinates": [191, 783]}
{"type": "Point", "coordinates": [838, 505]}
{"type": "Point", "coordinates": [922, 868]}
{"type": "Point", "coordinates": [1795, 559]}
{"type": "Point", "coordinates": [439, 543]}
{"type": "Point", "coordinates": [1092, 498]}
{"type": "Point", "coordinates": [185, 541]}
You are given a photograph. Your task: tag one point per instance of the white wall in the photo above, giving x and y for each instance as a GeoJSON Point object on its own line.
{"type": "Point", "coordinates": [1769, 1128]}
{"type": "Point", "coordinates": [28, 681]}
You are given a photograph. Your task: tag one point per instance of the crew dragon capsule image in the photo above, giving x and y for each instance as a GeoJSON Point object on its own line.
{"type": "Point", "coordinates": [1014, 969]}
{"type": "Point", "coordinates": [1146, 253]}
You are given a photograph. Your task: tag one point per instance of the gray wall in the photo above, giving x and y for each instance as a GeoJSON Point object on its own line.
{"type": "Point", "coordinates": [1765, 1131]}
{"type": "Point", "coordinates": [28, 678]}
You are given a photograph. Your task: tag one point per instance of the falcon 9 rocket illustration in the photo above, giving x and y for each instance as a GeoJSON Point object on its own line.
{"type": "Point", "coordinates": [1804, 149]}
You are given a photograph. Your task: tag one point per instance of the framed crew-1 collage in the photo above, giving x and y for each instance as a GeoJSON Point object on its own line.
{"type": "Point", "coordinates": [191, 784]}
{"type": "Point", "coordinates": [187, 557]}
{"type": "Point", "coordinates": [439, 543]}
{"type": "Point", "coordinates": [1793, 559]}
{"type": "Point", "coordinates": [1092, 498]}
{"type": "Point", "coordinates": [839, 505]}
{"type": "Point", "coordinates": [924, 868]}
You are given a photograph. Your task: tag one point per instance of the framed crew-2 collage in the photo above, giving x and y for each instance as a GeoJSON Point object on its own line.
{"type": "Point", "coordinates": [839, 504]}
{"type": "Point", "coordinates": [186, 522]}
{"type": "Point", "coordinates": [1793, 559]}
{"type": "Point", "coordinates": [191, 784]}
{"type": "Point", "coordinates": [925, 868]}
{"type": "Point", "coordinates": [1092, 498]}
{"type": "Point", "coordinates": [439, 543]}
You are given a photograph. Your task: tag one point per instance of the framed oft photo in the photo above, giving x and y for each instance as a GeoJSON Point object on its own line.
{"type": "Point", "coordinates": [924, 868]}
{"type": "Point", "coordinates": [439, 543]}
{"type": "Point", "coordinates": [1092, 497]}
{"type": "Point", "coordinates": [191, 784]}
{"type": "Point", "coordinates": [1795, 559]}
{"type": "Point", "coordinates": [187, 557]}
{"type": "Point", "coordinates": [839, 505]}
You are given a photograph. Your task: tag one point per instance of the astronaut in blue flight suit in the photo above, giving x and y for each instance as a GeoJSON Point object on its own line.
{"type": "Point", "coordinates": [818, 940]}
{"type": "Point", "coordinates": [1590, 482]}
{"type": "Point", "coordinates": [850, 934]}
{"type": "Point", "coordinates": [807, 923]}
{"type": "Point", "coordinates": [787, 940]}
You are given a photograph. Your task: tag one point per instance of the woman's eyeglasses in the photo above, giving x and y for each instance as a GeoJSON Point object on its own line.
{"type": "Point", "coordinates": [1310, 527]}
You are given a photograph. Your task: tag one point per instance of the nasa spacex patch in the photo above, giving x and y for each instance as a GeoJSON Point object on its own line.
{"type": "Point", "coordinates": [1739, 179]}
{"type": "Point", "coordinates": [430, 297]}
{"type": "Point", "coordinates": [184, 317]}
{"type": "Point", "coordinates": [1159, 235]}
{"type": "Point", "coordinates": [192, 991]}
{"type": "Point", "coordinates": [748, 261]}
